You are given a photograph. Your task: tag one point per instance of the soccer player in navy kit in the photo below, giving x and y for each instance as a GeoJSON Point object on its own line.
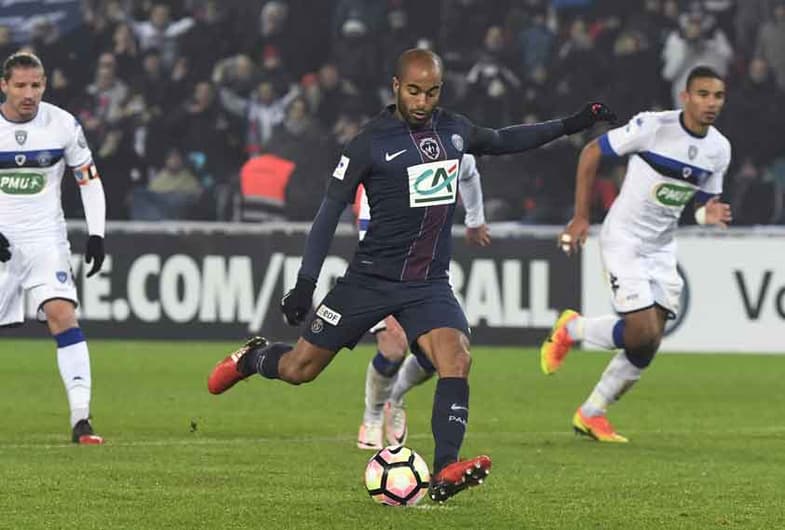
{"type": "Point", "coordinates": [407, 158]}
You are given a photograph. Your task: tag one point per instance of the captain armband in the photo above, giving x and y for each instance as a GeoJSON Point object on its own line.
{"type": "Point", "coordinates": [84, 174]}
{"type": "Point", "coordinates": [700, 215]}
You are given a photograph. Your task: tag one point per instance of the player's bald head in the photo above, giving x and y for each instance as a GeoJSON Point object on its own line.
{"type": "Point", "coordinates": [416, 62]}
{"type": "Point", "coordinates": [417, 85]}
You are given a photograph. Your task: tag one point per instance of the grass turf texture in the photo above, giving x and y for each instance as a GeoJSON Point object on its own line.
{"type": "Point", "coordinates": [707, 438]}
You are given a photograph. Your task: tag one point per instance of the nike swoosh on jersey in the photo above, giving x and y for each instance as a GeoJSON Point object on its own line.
{"type": "Point", "coordinates": [388, 156]}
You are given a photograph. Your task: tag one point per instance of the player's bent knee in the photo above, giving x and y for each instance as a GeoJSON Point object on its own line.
{"type": "Point", "coordinates": [60, 315]}
{"type": "Point", "coordinates": [642, 338]}
{"type": "Point", "coordinates": [392, 345]}
{"type": "Point", "coordinates": [456, 365]}
{"type": "Point", "coordinates": [641, 357]}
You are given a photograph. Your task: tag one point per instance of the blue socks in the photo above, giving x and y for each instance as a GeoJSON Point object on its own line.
{"type": "Point", "coordinates": [264, 361]}
{"type": "Point", "coordinates": [449, 419]}
{"type": "Point", "coordinates": [618, 333]}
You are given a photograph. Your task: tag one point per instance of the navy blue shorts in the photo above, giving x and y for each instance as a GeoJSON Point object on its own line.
{"type": "Point", "coordinates": [358, 301]}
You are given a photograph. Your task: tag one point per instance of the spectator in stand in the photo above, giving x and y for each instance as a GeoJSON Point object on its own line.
{"type": "Point", "coordinates": [550, 199]}
{"type": "Point", "coordinates": [331, 95]}
{"type": "Point", "coordinates": [7, 47]}
{"type": "Point", "coordinates": [671, 10]}
{"type": "Point", "coordinates": [493, 88]}
{"type": "Point", "coordinates": [633, 58]}
{"type": "Point", "coordinates": [651, 23]}
{"type": "Point", "coordinates": [354, 54]}
{"type": "Point", "coordinates": [151, 82]}
{"type": "Point", "coordinates": [237, 74]}
{"type": "Point", "coordinates": [771, 43]}
{"type": "Point", "coordinates": [273, 70]}
{"type": "Point", "coordinates": [756, 200]}
{"type": "Point", "coordinates": [395, 37]}
{"type": "Point", "coordinates": [580, 70]}
{"type": "Point", "coordinates": [199, 125]}
{"type": "Point", "coordinates": [369, 13]}
{"type": "Point", "coordinates": [107, 95]}
{"type": "Point", "coordinates": [698, 41]}
{"type": "Point", "coordinates": [262, 112]}
{"type": "Point", "coordinates": [98, 30]}
{"type": "Point", "coordinates": [273, 25]}
{"type": "Point", "coordinates": [775, 174]}
{"type": "Point", "coordinates": [161, 33]}
{"type": "Point", "coordinates": [45, 38]}
{"type": "Point", "coordinates": [211, 38]}
{"type": "Point", "coordinates": [461, 29]}
{"type": "Point", "coordinates": [60, 90]}
{"type": "Point", "coordinates": [750, 16]}
{"type": "Point", "coordinates": [536, 42]}
{"type": "Point", "coordinates": [301, 140]}
{"type": "Point", "coordinates": [170, 194]}
{"type": "Point", "coordinates": [181, 81]}
{"type": "Point", "coordinates": [126, 51]}
{"type": "Point", "coordinates": [755, 116]}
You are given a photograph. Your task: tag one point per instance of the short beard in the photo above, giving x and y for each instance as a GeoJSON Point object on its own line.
{"type": "Point", "coordinates": [402, 109]}
{"type": "Point", "coordinates": [409, 118]}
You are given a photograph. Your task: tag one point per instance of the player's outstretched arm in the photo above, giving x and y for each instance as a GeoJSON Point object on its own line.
{"type": "Point", "coordinates": [576, 231]}
{"type": "Point", "coordinates": [519, 138]}
{"type": "Point", "coordinates": [297, 302]}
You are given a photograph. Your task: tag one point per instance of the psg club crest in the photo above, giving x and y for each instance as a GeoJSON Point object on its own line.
{"type": "Point", "coordinates": [430, 147]}
{"type": "Point", "coordinates": [317, 325]}
{"type": "Point", "coordinates": [692, 152]}
{"type": "Point", "coordinates": [61, 276]}
{"type": "Point", "coordinates": [21, 137]}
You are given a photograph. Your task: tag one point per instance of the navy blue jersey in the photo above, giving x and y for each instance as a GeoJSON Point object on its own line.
{"type": "Point", "coordinates": [410, 177]}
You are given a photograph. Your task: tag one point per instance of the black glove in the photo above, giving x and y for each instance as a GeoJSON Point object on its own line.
{"type": "Point", "coordinates": [5, 251]}
{"type": "Point", "coordinates": [94, 253]}
{"type": "Point", "coordinates": [590, 114]}
{"type": "Point", "coordinates": [296, 304]}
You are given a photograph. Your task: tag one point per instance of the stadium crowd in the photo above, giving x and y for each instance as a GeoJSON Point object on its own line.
{"type": "Point", "coordinates": [237, 109]}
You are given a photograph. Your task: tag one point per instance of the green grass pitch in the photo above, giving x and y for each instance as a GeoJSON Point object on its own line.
{"type": "Point", "coordinates": [707, 445]}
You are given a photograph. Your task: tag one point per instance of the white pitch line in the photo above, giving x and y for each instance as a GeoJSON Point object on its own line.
{"type": "Point", "coordinates": [198, 440]}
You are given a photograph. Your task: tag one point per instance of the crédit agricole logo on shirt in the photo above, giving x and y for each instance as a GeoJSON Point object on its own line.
{"type": "Point", "coordinates": [433, 183]}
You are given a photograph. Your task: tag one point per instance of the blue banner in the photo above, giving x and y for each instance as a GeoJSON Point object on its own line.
{"type": "Point", "coordinates": [21, 16]}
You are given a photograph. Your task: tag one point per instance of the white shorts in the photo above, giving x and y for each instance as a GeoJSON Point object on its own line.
{"type": "Point", "coordinates": [42, 272]}
{"type": "Point", "coordinates": [639, 280]}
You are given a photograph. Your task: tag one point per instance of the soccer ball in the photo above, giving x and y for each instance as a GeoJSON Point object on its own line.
{"type": "Point", "coordinates": [397, 476]}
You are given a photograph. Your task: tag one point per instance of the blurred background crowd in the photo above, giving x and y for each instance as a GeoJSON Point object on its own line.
{"type": "Point", "coordinates": [237, 109]}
